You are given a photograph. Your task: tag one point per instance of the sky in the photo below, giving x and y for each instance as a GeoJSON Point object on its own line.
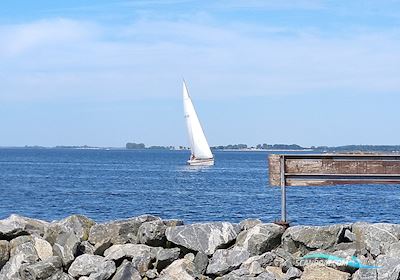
{"type": "Point", "coordinates": [103, 73]}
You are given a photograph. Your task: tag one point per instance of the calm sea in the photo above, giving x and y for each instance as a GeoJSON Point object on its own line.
{"type": "Point", "coordinates": [114, 184]}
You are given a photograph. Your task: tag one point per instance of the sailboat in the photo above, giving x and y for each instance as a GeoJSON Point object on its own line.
{"type": "Point", "coordinates": [201, 152]}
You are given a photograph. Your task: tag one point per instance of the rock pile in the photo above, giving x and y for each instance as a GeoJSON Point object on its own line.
{"type": "Point", "coordinates": [147, 247]}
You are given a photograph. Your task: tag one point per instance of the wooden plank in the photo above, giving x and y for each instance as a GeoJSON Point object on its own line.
{"type": "Point", "coordinates": [332, 169]}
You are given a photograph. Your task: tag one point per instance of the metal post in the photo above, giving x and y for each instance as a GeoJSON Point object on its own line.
{"type": "Point", "coordinates": [283, 189]}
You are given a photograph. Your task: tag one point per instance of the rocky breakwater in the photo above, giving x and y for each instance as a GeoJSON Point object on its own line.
{"type": "Point", "coordinates": [147, 247]}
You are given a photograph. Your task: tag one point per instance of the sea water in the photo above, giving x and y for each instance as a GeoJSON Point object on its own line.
{"type": "Point", "coordinates": [104, 184]}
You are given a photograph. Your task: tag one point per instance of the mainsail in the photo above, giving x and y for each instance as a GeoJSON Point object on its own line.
{"type": "Point", "coordinates": [198, 142]}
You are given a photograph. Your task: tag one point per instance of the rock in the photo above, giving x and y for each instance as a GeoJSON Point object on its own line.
{"type": "Point", "coordinates": [292, 273]}
{"type": "Point", "coordinates": [16, 225]}
{"type": "Point", "coordinates": [4, 252]}
{"type": "Point", "coordinates": [200, 263]}
{"type": "Point", "coordinates": [126, 271]}
{"type": "Point", "coordinates": [224, 260]}
{"type": "Point", "coordinates": [276, 271]}
{"type": "Point", "coordinates": [141, 255]}
{"type": "Point", "coordinates": [389, 267]}
{"type": "Point", "coordinates": [18, 241]}
{"type": "Point", "coordinates": [61, 276]}
{"type": "Point", "coordinates": [307, 238]}
{"type": "Point", "coordinates": [43, 269]}
{"type": "Point", "coordinates": [182, 269]}
{"type": "Point", "coordinates": [88, 265]}
{"type": "Point", "coordinates": [43, 248]}
{"type": "Point", "coordinates": [349, 236]}
{"type": "Point", "coordinates": [152, 233]}
{"type": "Point", "coordinates": [103, 236]}
{"type": "Point", "coordinates": [375, 238]}
{"type": "Point", "coordinates": [266, 259]}
{"type": "Point", "coordinates": [77, 224]}
{"type": "Point", "coordinates": [249, 223]}
{"type": "Point", "coordinates": [166, 256]}
{"type": "Point", "coordinates": [260, 238]}
{"type": "Point", "coordinates": [204, 238]}
{"type": "Point", "coordinates": [255, 269]}
{"type": "Point", "coordinates": [23, 254]}
{"type": "Point", "coordinates": [66, 247]}
{"type": "Point", "coordinates": [365, 274]}
{"type": "Point", "coordinates": [151, 274]}
{"type": "Point", "coordinates": [317, 272]}
{"type": "Point", "coordinates": [173, 222]}
{"type": "Point", "coordinates": [85, 248]}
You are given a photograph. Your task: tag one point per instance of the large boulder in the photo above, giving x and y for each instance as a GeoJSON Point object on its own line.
{"type": "Point", "coordinates": [204, 238]}
{"type": "Point", "coordinates": [304, 239]}
{"type": "Point", "coordinates": [88, 265]}
{"type": "Point", "coordinates": [126, 271]}
{"type": "Point", "coordinates": [389, 267]}
{"type": "Point", "coordinates": [165, 257]}
{"type": "Point", "coordinates": [152, 233]}
{"type": "Point", "coordinates": [140, 255]}
{"type": "Point", "coordinates": [42, 270]}
{"type": "Point", "coordinates": [43, 248]}
{"type": "Point", "coordinates": [77, 224]}
{"type": "Point", "coordinates": [103, 236]}
{"type": "Point", "coordinates": [319, 272]}
{"type": "Point", "coordinates": [23, 254]}
{"type": "Point", "coordinates": [182, 269]}
{"type": "Point", "coordinates": [4, 252]}
{"type": "Point", "coordinates": [375, 238]}
{"type": "Point", "coordinates": [16, 225]}
{"type": "Point", "coordinates": [66, 247]}
{"type": "Point", "coordinates": [226, 260]}
{"type": "Point", "coordinates": [260, 238]}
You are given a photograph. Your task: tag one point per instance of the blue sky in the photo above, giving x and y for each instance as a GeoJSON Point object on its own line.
{"type": "Point", "coordinates": [107, 72]}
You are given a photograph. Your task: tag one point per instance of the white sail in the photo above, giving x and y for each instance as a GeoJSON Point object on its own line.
{"type": "Point", "coordinates": [198, 142]}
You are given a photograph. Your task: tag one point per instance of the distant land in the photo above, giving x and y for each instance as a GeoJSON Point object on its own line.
{"type": "Point", "coordinates": [283, 147]}
{"type": "Point", "coordinates": [241, 147]}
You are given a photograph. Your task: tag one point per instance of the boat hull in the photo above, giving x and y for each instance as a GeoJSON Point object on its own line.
{"type": "Point", "coordinates": [201, 162]}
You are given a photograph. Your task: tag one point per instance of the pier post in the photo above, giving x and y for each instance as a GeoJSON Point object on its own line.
{"type": "Point", "coordinates": [283, 190]}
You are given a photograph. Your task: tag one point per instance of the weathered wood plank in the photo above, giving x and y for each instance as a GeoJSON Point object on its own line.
{"type": "Point", "coordinates": [326, 169]}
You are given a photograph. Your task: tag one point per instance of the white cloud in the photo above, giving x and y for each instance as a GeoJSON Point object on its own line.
{"type": "Point", "coordinates": [63, 58]}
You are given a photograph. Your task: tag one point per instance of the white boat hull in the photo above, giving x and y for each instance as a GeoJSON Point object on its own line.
{"type": "Point", "coordinates": [201, 162]}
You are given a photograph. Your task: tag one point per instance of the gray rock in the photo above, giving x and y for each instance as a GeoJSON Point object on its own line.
{"type": "Point", "coordinates": [16, 225]}
{"type": "Point", "coordinates": [61, 276]}
{"type": "Point", "coordinates": [204, 238]}
{"type": "Point", "coordinates": [307, 238]}
{"type": "Point", "coordinates": [182, 269]}
{"type": "Point", "coordinates": [266, 259]}
{"type": "Point", "coordinates": [242, 274]}
{"type": "Point", "coordinates": [293, 273]}
{"type": "Point", "coordinates": [66, 247]}
{"type": "Point", "coordinates": [103, 236]}
{"type": "Point", "coordinates": [4, 252]}
{"type": "Point", "coordinates": [389, 267]}
{"type": "Point", "coordinates": [126, 271]}
{"type": "Point", "coordinates": [85, 248]}
{"type": "Point", "coordinates": [225, 260]}
{"type": "Point", "coordinates": [166, 256]}
{"type": "Point", "coordinates": [141, 255]}
{"type": "Point", "coordinates": [349, 236]}
{"type": "Point", "coordinates": [375, 238]}
{"type": "Point", "coordinates": [260, 238]}
{"type": "Point", "coordinates": [86, 265]}
{"type": "Point", "coordinates": [43, 248]}
{"type": "Point", "coordinates": [42, 270]}
{"type": "Point", "coordinates": [23, 254]}
{"type": "Point", "coordinates": [249, 223]}
{"type": "Point", "coordinates": [200, 263]}
{"type": "Point", "coordinates": [153, 233]}
{"type": "Point", "coordinates": [18, 241]}
{"type": "Point", "coordinates": [77, 224]}
{"type": "Point", "coordinates": [151, 274]}
{"type": "Point", "coordinates": [365, 274]}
